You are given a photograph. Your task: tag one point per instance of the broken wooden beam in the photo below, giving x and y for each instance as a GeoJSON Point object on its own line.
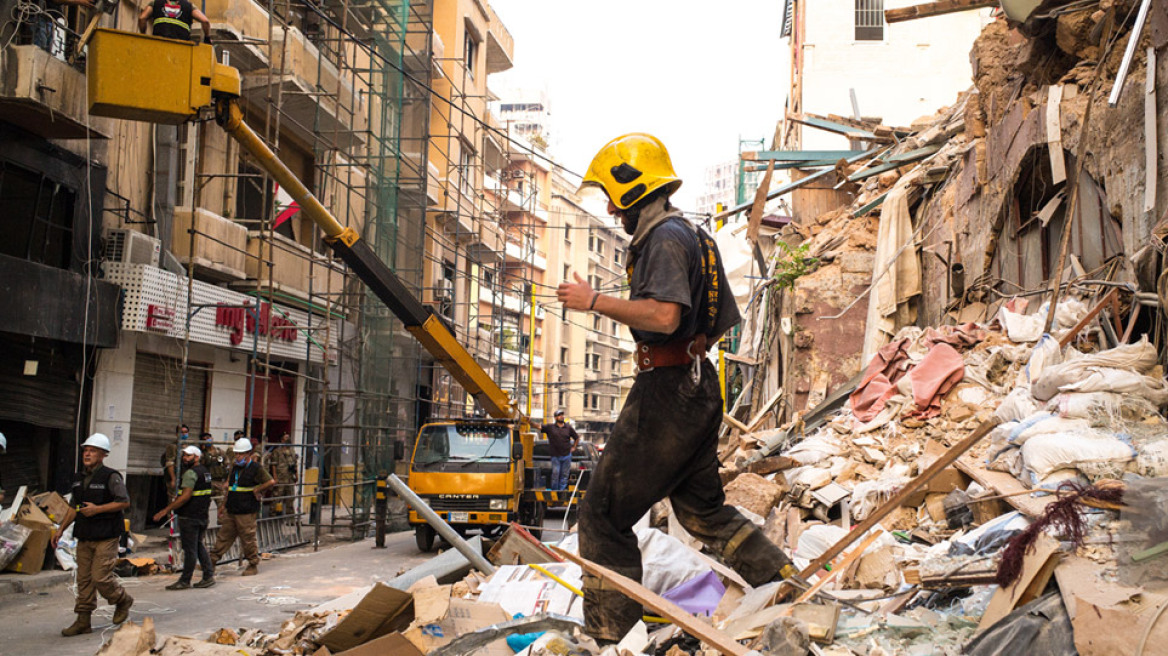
{"type": "Point", "coordinates": [938, 8]}
{"type": "Point", "coordinates": [1088, 318]}
{"type": "Point", "coordinates": [667, 609]}
{"type": "Point", "coordinates": [898, 499]}
{"type": "Point", "coordinates": [787, 188]}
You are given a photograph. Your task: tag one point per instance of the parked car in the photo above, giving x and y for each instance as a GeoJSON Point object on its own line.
{"type": "Point", "coordinates": [584, 459]}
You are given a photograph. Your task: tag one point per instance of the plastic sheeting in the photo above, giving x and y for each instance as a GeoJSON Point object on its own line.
{"type": "Point", "coordinates": [1040, 628]}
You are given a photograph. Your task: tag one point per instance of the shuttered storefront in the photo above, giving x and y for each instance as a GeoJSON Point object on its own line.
{"type": "Point", "coordinates": [47, 398]}
{"type": "Point", "coordinates": [158, 384]}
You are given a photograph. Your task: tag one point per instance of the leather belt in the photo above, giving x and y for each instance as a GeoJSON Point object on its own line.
{"type": "Point", "coordinates": [674, 354]}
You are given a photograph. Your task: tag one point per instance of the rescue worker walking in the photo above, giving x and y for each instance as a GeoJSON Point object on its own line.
{"type": "Point", "coordinates": [246, 483]}
{"type": "Point", "coordinates": [191, 509]}
{"type": "Point", "coordinates": [282, 463]}
{"type": "Point", "coordinates": [172, 19]}
{"type": "Point", "coordinates": [679, 306]}
{"type": "Point", "coordinates": [99, 497]}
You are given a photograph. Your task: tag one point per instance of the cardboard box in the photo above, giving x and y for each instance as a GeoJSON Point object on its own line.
{"type": "Point", "coordinates": [53, 505]}
{"type": "Point", "coordinates": [394, 644]}
{"type": "Point", "coordinates": [462, 617]}
{"type": "Point", "coordinates": [31, 558]}
{"type": "Point", "coordinates": [381, 611]}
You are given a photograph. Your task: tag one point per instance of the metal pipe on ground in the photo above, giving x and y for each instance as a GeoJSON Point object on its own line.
{"type": "Point", "coordinates": [449, 534]}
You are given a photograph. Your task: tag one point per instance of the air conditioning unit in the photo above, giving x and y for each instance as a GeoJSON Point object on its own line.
{"type": "Point", "coordinates": [132, 247]}
{"type": "Point", "coordinates": [516, 175]}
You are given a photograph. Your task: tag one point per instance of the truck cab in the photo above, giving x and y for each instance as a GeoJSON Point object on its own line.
{"type": "Point", "coordinates": [472, 474]}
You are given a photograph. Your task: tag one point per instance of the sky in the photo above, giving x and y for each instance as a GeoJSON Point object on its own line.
{"type": "Point", "coordinates": [698, 75]}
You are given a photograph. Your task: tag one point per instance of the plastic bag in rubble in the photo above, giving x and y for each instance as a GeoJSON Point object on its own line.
{"type": "Point", "coordinates": [818, 447]}
{"type": "Point", "coordinates": [12, 539]}
{"type": "Point", "coordinates": [666, 561]}
{"type": "Point", "coordinates": [1091, 452]}
{"type": "Point", "coordinates": [989, 537]}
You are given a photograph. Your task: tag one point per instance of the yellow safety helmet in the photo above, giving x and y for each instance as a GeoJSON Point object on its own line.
{"type": "Point", "coordinates": [631, 167]}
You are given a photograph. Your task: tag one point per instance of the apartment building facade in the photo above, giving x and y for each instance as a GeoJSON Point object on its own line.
{"type": "Point", "coordinates": [207, 299]}
{"type": "Point", "coordinates": [590, 355]}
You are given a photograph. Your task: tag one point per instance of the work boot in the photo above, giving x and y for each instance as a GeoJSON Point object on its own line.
{"type": "Point", "coordinates": [251, 570]}
{"type": "Point", "coordinates": [179, 585]}
{"type": "Point", "coordinates": [79, 626]}
{"type": "Point", "coordinates": [122, 609]}
{"type": "Point", "coordinates": [205, 583]}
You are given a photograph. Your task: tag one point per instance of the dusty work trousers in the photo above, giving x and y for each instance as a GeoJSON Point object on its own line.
{"type": "Point", "coordinates": [193, 533]}
{"type": "Point", "coordinates": [95, 574]}
{"type": "Point", "coordinates": [664, 444]}
{"type": "Point", "coordinates": [231, 527]}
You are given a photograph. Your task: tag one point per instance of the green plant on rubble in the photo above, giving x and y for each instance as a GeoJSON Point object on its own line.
{"type": "Point", "coordinates": [790, 263]}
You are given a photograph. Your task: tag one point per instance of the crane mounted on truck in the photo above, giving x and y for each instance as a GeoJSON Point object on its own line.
{"type": "Point", "coordinates": [473, 473]}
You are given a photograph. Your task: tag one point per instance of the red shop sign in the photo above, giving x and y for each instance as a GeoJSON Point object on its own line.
{"type": "Point", "coordinates": [239, 319]}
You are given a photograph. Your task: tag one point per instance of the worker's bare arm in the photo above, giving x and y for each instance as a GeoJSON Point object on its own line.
{"type": "Point", "coordinates": [641, 314]}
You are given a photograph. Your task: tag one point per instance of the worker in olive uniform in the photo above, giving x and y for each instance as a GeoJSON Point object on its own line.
{"type": "Point", "coordinates": [246, 483]}
{"type": "Point", "coordinates": [281, 463]}
{"type": "Point", "coordinates": [99, 497]}
{"type": "Point", "coordinates": [216, 462]}
{"type": "Point", "coordinates": [172, 19]}
{"type": "Point", "coordinates": [191, 508]}
{"type": "Point", "coordinates": [170, 458]}
{"type": "Point", "coordinates": [664, 444]}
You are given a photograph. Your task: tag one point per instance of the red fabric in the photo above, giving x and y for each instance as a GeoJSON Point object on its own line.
{"type": "Point", "coordinates": [959, 337]}
{"type": "Point", "coordinates": [888, 365]}
{"type": "Point", "coordinates": [933, 377]}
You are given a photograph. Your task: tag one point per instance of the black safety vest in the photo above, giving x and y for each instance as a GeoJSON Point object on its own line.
{"type": "Point", "coordinates": [200, 502]}
{"type": "Point", "coordinates": [172, 19]}
{"type": "Point", "coordinates": [99, 527]}
{"type": "Point", "coordinates": [241, 498]}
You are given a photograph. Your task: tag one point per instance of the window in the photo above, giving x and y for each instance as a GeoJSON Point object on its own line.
{"type": "Point", "coordinates": [595, 401]}
{"type": "Point", "coordinates": [615, 328]}
{"type": "Point", "coordinates": [599, 247]}
{"type": "Point", "coordinates": [596, 323]}
{"type": "Point", "coordinates": [591, 243]}
{"type": "Point", "coordinates": [488, 278]}
{"type": "Point", "coordinates": [38, 215]}
{"type": "Point", "coordinates": [567, 272]}
{"type": "Point", "coordinates": [615, 365]}
{"type": "Point", "coordinates": [562, 398]}
{"type": "Point", "coordinates": [466, 169]}
{"type": "Point", "coordinates": [563, 355]}
{"type": "Point", "coordinates": [470, 53]}
{"type": "Point", "coordinates": [869, 20]}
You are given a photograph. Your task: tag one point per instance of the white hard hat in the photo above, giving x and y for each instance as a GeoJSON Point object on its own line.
{"type": "Point", "coordinates": [242, 445]}
{"type": "Point", "coordinates": [99, 441]}
{"type": "Point", "coordinates": [3, 443]}
{"type": "Point", "coordinates": [193, 451]}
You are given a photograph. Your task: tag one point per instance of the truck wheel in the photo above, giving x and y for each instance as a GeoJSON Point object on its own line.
{"type": "Point", "coordinates": [424, 536]}
{"type": "Point", "coordinates": [531, 515]}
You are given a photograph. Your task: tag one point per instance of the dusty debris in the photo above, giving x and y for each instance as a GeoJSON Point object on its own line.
{"type": "Point", "coordinates": [754, 493]}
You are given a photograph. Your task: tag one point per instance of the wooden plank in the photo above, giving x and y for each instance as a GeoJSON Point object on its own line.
{"type": "Point", "coordinates": [938, 8]}
{"type": "Point", "coordinates": [898, 499]}
{"type": "Point", "coordinates": [754, 219]}
{"type": "Point", "coordinates": [1054, 134]}
{"type": "Point", "coordinates": [734, 423]}
{"type": "Point", "coordinates": [1037, 568]}
{"type": "Point", "coordinates": [1151, 161]}
{"type": "Point", "coordinates": [761, 414]}
{"type": "Point", "coordinates": [667, 609]}
{"type": "Point", "coordinates": [1088, 318]}
{"type": "Point", "coordinates": [1006, 486]}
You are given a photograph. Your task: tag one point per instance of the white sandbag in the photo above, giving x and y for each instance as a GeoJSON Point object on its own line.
{"type": "Point", "coordinates": [812, 477]}
{"type": "Point", "coordinates": [817, 539]}
{"type": "Point", "coordinates": [1021, 328]}
{"type": "Point", "coordinates": [1045, 424]}
{"type": "Point", "coordinates": [1152, 459]}
{"type": "Point", "coordinates": [1044, 454]}
{"type": "Point", "coordinates": [1085, 405]}
{"type": "Point", "coordinates": [1122, 369]}
{"type": "Point", "coordinates": [1046, 353]}
{"type": "Point", "coordinates": [1017, 405]}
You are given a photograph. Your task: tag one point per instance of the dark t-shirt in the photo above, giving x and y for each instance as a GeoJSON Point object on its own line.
{"type": "Point", "coordinates": [667, 267]}
{"type": "Point", "coordinates": [169, 18]}
{"type": "Point", "coordinates": [560, 439]}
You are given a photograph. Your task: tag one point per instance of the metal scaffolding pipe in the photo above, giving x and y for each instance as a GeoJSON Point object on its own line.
{"type": "Point", "coordinates": [443, 529]}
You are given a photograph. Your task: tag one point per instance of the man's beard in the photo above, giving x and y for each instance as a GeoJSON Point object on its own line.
{"type": "Point", "coordinates": [629, 220]}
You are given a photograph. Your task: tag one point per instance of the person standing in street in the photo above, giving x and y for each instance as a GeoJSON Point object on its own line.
{"type": "Point", "coordinates": [99, 497]}
{"type": "Point", "coordinates": [191, 509]}
{"type": "Point", "coordinates": [246, 483]}
{"type": "Point", "coordinates": [664, 443]}
{"type": "Point", "coordinates": [562, 440]}
{"type": "Point", "coordinates": [282, 463]}
{"type": "Point", "coordinates": [170, 458]}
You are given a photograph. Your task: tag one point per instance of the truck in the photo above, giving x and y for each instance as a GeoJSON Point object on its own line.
{"type": "Point", "coordinates": [474, 474]}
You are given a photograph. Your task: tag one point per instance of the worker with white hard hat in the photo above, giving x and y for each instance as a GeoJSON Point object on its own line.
{"type": "Point", "coordinates": [99, 497]}
{"type": "Point", "coordinates": [246, 483]}
{"type": "Point", "coordinates": [191, 507]}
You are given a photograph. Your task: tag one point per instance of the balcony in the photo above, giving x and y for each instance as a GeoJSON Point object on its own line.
{"type": "Point", "coordinates": [500, 45]}
{"type": "Point", "coordinates": [241, 30]}
{"type": "Point", "coordinates": [220, 244]}
{"type": "Point", "coordinates": [46, 96]}
{"type": "Point", "coordinates": [295, 268]}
